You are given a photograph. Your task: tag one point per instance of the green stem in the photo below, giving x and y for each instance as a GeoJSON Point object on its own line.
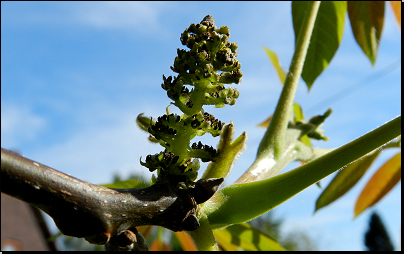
{"type": "Point", "coordinates": [272, 145]}
{"type": "Point", "coordinates": [268, 167]}
{"type": "Point", "coordinates": [203, 236]}
{"type": "Point", "coordinates": [255, 198]}
{"type": "Point", "coordinates": [228, 151]}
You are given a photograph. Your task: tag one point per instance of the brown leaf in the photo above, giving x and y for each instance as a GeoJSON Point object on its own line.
{"type": "Point", "coordinates": [380, 184]}
{"type": "Point", "coordinates": [186, 241]}
{"type": "Point", "coordinates": [266, 122]}
{"type": "Point", "coordinates": [159, 246]}
{"type": "Point", "coordinates": [396, 6]}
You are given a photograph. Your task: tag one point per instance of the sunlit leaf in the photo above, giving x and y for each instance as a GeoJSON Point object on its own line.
{"type": "Point", "coordinates": [297, 110]}
{"type": "Point", "coordinates": [367, 24]}
{"type": "Point", "coordinates": [380, 184]}
{"type": "Point", "coordinates": [277, 65]}
{"type": "Point", "coordinates": [325, 39]}
{"type": "Point", "coordinates": [346, 179]}
{"type": "Point", "coordinates": [244, 237]}
{"type": "Point", "coordinates": [299, 116]}
{"type": "Point", "coordinates": [128, 184]}
{"type": "Point", "coordinates": [306, 140]}
{"type": "Point", "coordinates": [396, 6]}
{"type": "Point", "coordinates": [266, 122]}
{"type": "Point", "coordinates": [186, 241]}
{"type": "Point", "coordinates": [143, 122]}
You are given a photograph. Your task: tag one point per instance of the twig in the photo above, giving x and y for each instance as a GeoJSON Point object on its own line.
{"type": "Point", "coordinates": [97, 213]}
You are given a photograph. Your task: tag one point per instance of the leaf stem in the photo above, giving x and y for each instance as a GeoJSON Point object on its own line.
{"type": "Point", "coordinates": [272, 145]}
{"type": "Point", "coordinates": [269, 193]}
{"type": "Point", "coordinates": [203, 236]}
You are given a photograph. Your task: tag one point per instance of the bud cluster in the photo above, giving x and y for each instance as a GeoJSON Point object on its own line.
{"type": "Point", "coordinates": [203, 71]}
{"type": "Point", "coordinates": [208, 65]}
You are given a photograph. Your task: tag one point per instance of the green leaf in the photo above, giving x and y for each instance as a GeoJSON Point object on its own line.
{"type": "Point", "coordinates": [299, 116]}
{"type": "Point", "coordinates": [297, 110]}
{"type": "Point", "coordinates": [386, 177]}
{"type": "Point", "coordinates": [128, 184]}
{"type": "Point", "coordinates": [143, 122]}
{"type": "Point", "coordinates": [346, 179]}
{"type": "Point", "coordinates": [326, 37]}
{"type": "Point", "coordinates": [243, 236]}
{"type": "Point", "coordinates": [277, 65]}
{"type": "Point", "coordinates": [367, 24]}
{"type": "Point", "coordinates": [238, 203]}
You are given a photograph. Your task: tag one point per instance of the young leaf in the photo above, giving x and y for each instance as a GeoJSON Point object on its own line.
{"type": "Point", "coordinates": [297, 110]}
{"type": "Point", "coordinates": [367, 24]}
{"type": "Point", "coordinates": [299, 116]}
{"type": "Point", "coordinates": [265, 123]}
{"type": "Point", "coordinates": [277, 65]}
{"type": "Point", "coordinates": [346, 179]}
{"type": "Point", "coordinates": [380, 184]}
{"type": "Point", "coordinates": [243, 236]}
{"type": "Point", "coordinates": [326, 37]}
{"type": "Point", "coordinates": [298, 113]}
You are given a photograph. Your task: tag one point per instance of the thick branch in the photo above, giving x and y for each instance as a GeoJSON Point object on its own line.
{"type": "Point", "coordinates": [97, 213]}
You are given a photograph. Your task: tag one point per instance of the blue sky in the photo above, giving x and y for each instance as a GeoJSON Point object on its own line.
{"type": "Point", "coordinates": [74, 76]}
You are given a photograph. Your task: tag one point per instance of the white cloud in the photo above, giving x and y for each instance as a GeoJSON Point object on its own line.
{"type": "Point", "coordinates": [18, 125]}
{"type": "Point", "coordinates": [142, 15]}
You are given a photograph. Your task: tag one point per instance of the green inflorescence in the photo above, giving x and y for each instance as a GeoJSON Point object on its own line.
{"type": "Point", "coordinates": [207, 66]}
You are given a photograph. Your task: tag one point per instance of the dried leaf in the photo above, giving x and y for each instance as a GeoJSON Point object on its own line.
{"type": "Point", "coordinates": [159, 246]}
{"type": "Point", "coordinates": [186, 241]}
{"type": "Point", "coordinates": [380, 184]}
{"type": "Point", "coordinates": [396, 6]}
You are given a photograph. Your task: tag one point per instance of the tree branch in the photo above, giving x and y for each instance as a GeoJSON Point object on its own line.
{"type": "Point", "coordinates": [97, 213]}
